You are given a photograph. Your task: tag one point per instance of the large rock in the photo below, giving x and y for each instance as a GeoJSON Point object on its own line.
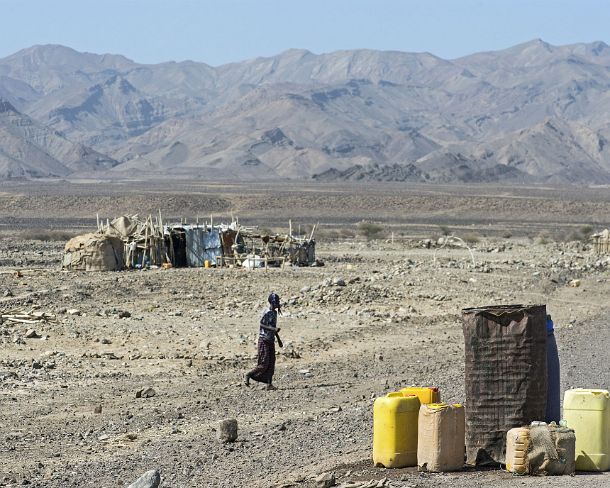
{"type": "Point", "coordinates": [148, 392]}
{"type": "Point", "coordinates": [326, 480]}
{"type": "Point", "coordinates": [227, 430]}
{"type": "Point", "coordinates": [150, 479]}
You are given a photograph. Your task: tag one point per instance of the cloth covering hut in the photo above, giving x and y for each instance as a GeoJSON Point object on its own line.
{"type": "Point", "coordinates": [93, 252]}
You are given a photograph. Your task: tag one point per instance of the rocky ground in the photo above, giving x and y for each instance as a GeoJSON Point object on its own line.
{"type": "Point", "coordinates": [139, 367]}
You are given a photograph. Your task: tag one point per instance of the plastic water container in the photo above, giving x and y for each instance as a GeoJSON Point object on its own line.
{"type": "Point", "coordinates": [517, 444]}
{"type": "Point", "coordinates": [587, 411]}
{"type": "Point", "coordinates": [395, 430]}
{"type": "Point", "coordinates": [441, 437]}
{"type": "Point", "coordinates": [426, 394]}
{"type": "Point", "coordinates": [540, 449]}
{"type": "Point", "coordinates": [565, 441]}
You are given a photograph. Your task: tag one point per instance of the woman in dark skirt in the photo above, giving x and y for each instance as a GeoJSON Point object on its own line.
{"type": "Point", "coordinates": [269, 330]}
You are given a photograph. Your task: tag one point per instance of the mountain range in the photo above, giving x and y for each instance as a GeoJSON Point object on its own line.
{"type": "Point", "coordinates": [533, 113]}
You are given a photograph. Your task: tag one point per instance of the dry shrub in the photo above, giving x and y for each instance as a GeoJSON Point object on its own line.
{"type": "Point", "coordinates": [586, 230]}
{"type": "Point", "coordinates": [471, 238]}
{"type": "Point", "coordinates": [444, 230]}
{"type": "Point", "coordinates": [347, 233]}
{"type": "Point", "coordinates": [327, 234]}
{"type": "Point", "coordinates": [46, 235]}
{"type": "Point", "coordinates": [334, 234]}
{"type": "Point", "coordinates": [370, 230]}
{"type": "Point", "coordinates": [544, 237]}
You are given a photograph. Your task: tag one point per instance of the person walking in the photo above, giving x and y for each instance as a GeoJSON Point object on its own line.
{"type": "Point", "coordinates": [269, 331]}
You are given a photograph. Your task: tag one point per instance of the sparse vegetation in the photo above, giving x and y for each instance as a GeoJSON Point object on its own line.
{"type": "Point", "coordinates": [334, 234]}
{"type": "Point", "coordinates": [583, 234]}
{"type": "Point", "coordinates": [46, 235]}
{"type": "Point", "coordinates": [347, 233]}
{"type": "Point", "coordinates": [573, 236]}
{"type": "Point", "coordinates": [586, 230]}
{"type": "Point", "coordinates": [544, 237]}
{"type": "Point", "coordinates": [471, 238]}
{"type": "Point", "coordinates": [370, 230]}
{"type": "Point", "coordinates": [445, 230]}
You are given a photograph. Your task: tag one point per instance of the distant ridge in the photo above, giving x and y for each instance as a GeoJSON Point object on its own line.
{"type": "Point", "coordinates": [532, 113]}
{"type": "Point", "coordinates": [30, 150]}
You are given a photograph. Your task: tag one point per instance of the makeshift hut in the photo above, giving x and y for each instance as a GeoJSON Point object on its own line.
{"type": "Point", "coordinates": [143, 240]}
{"type": "Point", "coordinates": [601, 242]}
{"type": "Point", "coordinates": [246, 246]}
{"type": "Point", "coordinates": [93, 252]}
{"type": "Point", "coordinates": [193, 245]}
{"type": "Point", "coordinates": [140, 243]}
{"type": "Point", "coordinates": [301, 253]}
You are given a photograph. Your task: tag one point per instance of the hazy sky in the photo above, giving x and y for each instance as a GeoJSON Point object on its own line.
{"type": "Point", "coordinates": [222, 31]}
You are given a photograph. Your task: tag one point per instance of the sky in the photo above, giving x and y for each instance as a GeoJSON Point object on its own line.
{"type": "Point", "coordinates": [223, 31]}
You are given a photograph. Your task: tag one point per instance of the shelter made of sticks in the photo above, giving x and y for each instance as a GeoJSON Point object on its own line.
{"type": "Point", "coordinates": [236, 245]}
{"type": "Point", "coordinates": [132, 242]}
{"type": "Point", "coordinates": [601, 242]}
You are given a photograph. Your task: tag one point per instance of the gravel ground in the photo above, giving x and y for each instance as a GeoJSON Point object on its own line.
{"type": "Point", "coordinates": [69, 416]}
{"type": "Point", "coordinates": [190, 335]}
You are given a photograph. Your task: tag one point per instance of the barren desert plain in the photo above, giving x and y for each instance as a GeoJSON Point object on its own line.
{"type": "Point", "coordinates": [69, 416]}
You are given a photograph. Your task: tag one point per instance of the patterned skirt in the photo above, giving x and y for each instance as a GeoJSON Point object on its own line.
{"type": "Point", "coordinates": [266, 362]}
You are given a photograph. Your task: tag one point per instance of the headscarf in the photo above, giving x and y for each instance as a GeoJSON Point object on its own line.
{"type": "Point", "coordinates": [274, 301]}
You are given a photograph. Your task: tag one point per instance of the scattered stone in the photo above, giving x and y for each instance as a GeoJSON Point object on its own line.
{"type": "Point", "coordinates": [150, 479]}
{"type": "Point", "coordinates": [148, 392]}
{"type": "Point", "coordinates": [305, 289]}
{"type": "Point", "coordinates": [123, 314]}
{"type": "Point", "coordinates": [73, 311]}
{"type": "Point", "coordinates": [97, 409]}
{"type": "Point", "coordinates": [36, 365]}
{"type": "Point", "coordinates": [32, 334]}
{"type": "Point", "coordinates": [326, 480]}
{"type": "Point", "coordinates": [575, 283]}
{"type": "Point", "coordinates": [7, 375]}
{"type": "Point", "coordinates": [227, 430]}
{"type": "Point", "coordinates": [103, 437]}
{"type": "Point", "coordinates": [106, 341]}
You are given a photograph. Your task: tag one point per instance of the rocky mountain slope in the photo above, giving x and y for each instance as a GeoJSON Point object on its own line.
{"type": "Point", "coordinates": [28, 149]}
{"type": "Point", "coordinates": [531, 113]}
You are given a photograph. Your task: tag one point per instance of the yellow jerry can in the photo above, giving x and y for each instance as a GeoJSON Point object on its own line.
{"type": "Point", "coordinates": [395, 430]}
{"type": "Point", "coordinates": [587, 411]}
{"type": "Point", "coordinates": [517, 446]}
{"type": "Point", "coordinates": [426, 394]}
